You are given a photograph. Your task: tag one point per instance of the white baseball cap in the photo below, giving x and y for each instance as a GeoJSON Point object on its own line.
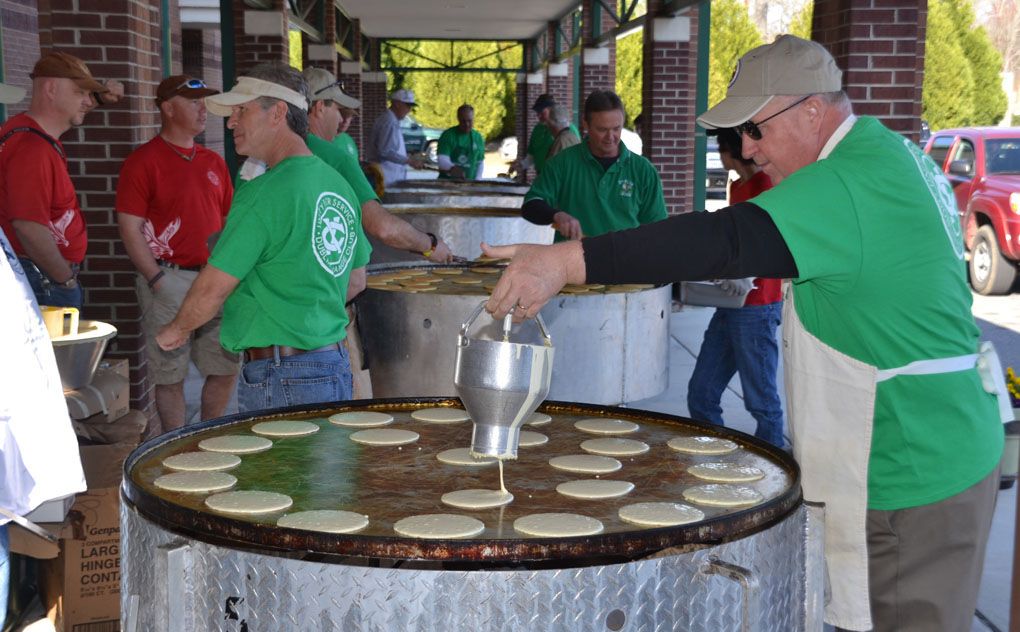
{"type": "Point", "coordinates": [404, 96]}
{"type": "Point", "coordinates": [788, 66]}
{"type": "Point", "coordinates": [247, 89]}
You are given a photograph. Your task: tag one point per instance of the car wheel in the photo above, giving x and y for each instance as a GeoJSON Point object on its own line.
{"type": "Point", "coordinates": [990, 272]}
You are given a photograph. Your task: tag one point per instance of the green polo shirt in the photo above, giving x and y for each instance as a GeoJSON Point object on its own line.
{"type": "Point", "coordinates": [626, 195]}
{"type": "Point", "coordinates": [540, 142]}
{"type": "Point", "coordinates": [346, 165]}
{"type": "Point", "coordinates": [466, 151]}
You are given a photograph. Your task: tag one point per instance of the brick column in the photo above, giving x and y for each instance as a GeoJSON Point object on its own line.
{"type": "Point", "coordinates": [557, 74]}
{"type": "Point", "coordinates": [598, 63]}
{"type": "Point", "coordinates": [373, 102]}
{"type": "Point", "coordinates": [670, 58]}
{"type": "Point", "coordinates": [202, 57]}
{"type": "Point", "coordinates": [880, 47]}
{"type": "Point", "coordinates": [323, 54]}
{"type": "Point", "coordinates": [529, 86]}
{"type": "Point", "coordinates": [123, 43]}
{"type": "Point", "coordinates": [260, 36]}
{"type": "Point", "coordinates": [350, 74]}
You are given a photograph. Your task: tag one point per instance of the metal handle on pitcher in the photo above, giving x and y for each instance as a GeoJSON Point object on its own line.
{"type": "Point", "coordinates": [507, 323]}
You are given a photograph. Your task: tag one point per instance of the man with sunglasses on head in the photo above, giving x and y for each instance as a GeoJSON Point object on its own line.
{"type": "Point", "coordinates": [890, 398]}
{"type": "Point", "coordinates": [172, 195]}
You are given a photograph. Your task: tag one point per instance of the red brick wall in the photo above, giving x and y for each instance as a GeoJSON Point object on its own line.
{"type": "Point", "coordinates": [21, 45]}
{"type": "Point", "coordinates": [202, 58]}
{"type": "Point", "coordinates": [668, 94]}
{"type": "Point", "coordinates": [252, 50]}
{"type": "Point", "coordinates": [597, 76]}
{"type": "Point", "coordinates": [879, 44]}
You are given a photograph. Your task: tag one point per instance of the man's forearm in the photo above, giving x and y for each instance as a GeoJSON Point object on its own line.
{"type": "Point", "coordinates": [38, 243]}
{"type": "Point", "coordinates": [391, 230]}
{"type": "Point", "coordinates": [538, 211]}
{"type": "Point", "coordinates": [130, 227]}
{"type": "Point", "coordinates": [205, 298]}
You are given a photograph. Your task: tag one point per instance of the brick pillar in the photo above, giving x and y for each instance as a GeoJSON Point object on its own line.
{"type": "Point", "coordinates": [880, 47]}
{"type": "Point", "coordinates": [350, 74]}
{"type": "Point", "coordinates": [322, 54]}
{"type": "Point", "coordinates": [119, 44]}
{"type": "Point", "coordinates": [557, 74]}
{"type": "Point", "coordinates": [373, 102]}
{"type": "Point", "coordinates": [668, 91]}
{"type": "Point", "coordinates": [260, 36]}
{"type": "Point", "coordinates": [202, 58]}
{"type": "Point", "coordinates": [529, 86]}
{"type": "Point", "coordinates": [598, 63]}
{"type": "Point", "coordinates": [21, 46]}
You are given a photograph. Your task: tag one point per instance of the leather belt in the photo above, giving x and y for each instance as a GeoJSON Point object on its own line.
{"type": "Point", "coordinates": [174, 266]}
{"type": "Point", "coordinates": [262, 353]}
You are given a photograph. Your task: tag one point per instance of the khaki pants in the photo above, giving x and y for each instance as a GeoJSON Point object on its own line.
{"type": "Point", "coordinates": [925, 563]}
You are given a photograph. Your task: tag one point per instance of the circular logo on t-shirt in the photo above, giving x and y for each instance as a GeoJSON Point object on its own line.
{"type": "Point", "coordinates": [942, 194]}
{"type": "Point", "coordinates": [333, 234]}
{"type": "Point", "coordinates": [215, 179]}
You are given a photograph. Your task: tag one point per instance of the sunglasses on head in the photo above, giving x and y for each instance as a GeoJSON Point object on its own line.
{"type": "Point", "coordinates": [751, 129]}
{"type": "Point", "coordinates": [335, 84]}
{"type": "Point", "coordinates": [194, 84]}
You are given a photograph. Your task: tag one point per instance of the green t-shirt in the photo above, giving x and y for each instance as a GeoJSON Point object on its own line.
{"type": "Point", "coordinates": [540, 142]}
{"type": "Point", "coordinates": [874, 231]}
{"type": "Point", "coordinates": [292, 237]}
{"type": "Point", "coordinates": [466, 151]}
{"type": "Point", "coordinates": [345, 165]}
{"type": "Point", "coordinates": [345, 142]}
{"type": "Point", "coordinates": [626, 195]}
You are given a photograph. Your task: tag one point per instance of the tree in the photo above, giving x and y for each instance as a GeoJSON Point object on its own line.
{"type": "Point", "coordinates": [733, 34]}
{"type": "Point", "coordinates": [947, 95]}
{"type": "Point", "coordinates": [1004, 30]}
{"type": "Point", "coordinates": [629, 56]}
{"type": "Point", "coordinates": [985, 64]}
{"type": "Point", "coordinates": [801, 23]}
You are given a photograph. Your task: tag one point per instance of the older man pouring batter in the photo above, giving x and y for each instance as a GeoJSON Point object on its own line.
{"type": "Point", "coordinates": [891, 422]}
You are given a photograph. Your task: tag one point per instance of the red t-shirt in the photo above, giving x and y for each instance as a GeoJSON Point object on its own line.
{"type": "Point", "coordinates": [35, 186]}
{"type": "Point", "coordinates": [766, 290]}
{"type": "Point", "coordinates": [183, 201]}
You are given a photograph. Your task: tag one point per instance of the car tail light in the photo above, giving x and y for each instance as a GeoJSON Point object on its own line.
{"type": "Point", "coordinates": [1014, 202]}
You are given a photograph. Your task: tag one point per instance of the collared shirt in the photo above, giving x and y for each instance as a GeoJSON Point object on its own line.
{"type": "Point", "coordinates": [386, 147]}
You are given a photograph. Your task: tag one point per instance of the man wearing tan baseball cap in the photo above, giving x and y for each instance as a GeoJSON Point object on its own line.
{"type": "Point", "coordinates": [891, 423]}
{"type": "Point", "coordinates": [39, 208]}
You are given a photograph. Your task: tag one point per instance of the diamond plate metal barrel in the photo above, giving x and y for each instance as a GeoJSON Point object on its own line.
{"type": "Point", "coordinates": [177, 583]}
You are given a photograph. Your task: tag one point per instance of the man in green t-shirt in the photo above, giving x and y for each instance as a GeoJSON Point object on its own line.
{"type": "Point", "coordinates": [598, 185]}
{"type": "Point", "coordinates": [461, 148]}
{"type": "Point", "coordinates": [344, 140]}
{"type": "Point", "coordinates": [291, 255]}
{"type": "Point", "coordinates": [541, 140]}
{"type": "Point", "coordinates": [891, 421]}
{"type": "Point", "coordinates": [324, 117]}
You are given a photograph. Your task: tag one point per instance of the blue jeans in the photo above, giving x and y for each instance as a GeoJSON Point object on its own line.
{"type": "Point", "coordinates": [46, 293]}
{"type": "Point", "coordinates": [5, 573]}
{"type": "Point", "coordinates": [308, 378]}
{"type": "Point", "coordinates": [740, 341]}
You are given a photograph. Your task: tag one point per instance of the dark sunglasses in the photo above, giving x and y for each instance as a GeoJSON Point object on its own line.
{"type": "Point", "coordinates": [751, 129]}
{"type": "Point", "coordinates": [335, 84]}
{"type": "Point", "coordinates": [194, 84]}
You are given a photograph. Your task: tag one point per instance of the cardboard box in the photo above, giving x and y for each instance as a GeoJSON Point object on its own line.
{"type": "Point", "coordinates": [105, 400]}
{"type": "Point", "coordinates": [80, 577]}
{"type": "Point", "coordinates": [51, 511]}
{"type": "Point", "coordinates": [126, 429]}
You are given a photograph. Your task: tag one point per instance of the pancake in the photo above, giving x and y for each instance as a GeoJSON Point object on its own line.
{"type": "Point", "coordinates": [660, 514]}
{"type": "Point", "coordinates": [538, 419]}
{"type": "Point", "coordinates": [702, 445]}
{"type": "Point", "coordinates": [614, 446]}
{"type": "Point", "coordinates": [384, 436]}
{"type": "Point", "coordinates": [723, 495]}
{"type": "Point", "coordinates": [235, 444]}
{"type": "Point", "coordinates": [603, 426]}
{"type": "Point", "coordinates": [361, 419]}
{"type": "Point", "coordinates": [557, 525]}
{"type": "Point", "coordinates": [441, 415]}
{"type": "Point", "coordinates": [248, 502]}
{"type": "Point", "coordinates": [202, 461]}
{"type": "Point", "coordinates": [195, 482]}
{"type": "Point", "coordinates": [325, 520]}
{"type": "Point", "coordinates": [477, 498]}
{"type": "Point", "coordinates": [726, 472]}
{"type": "Point", "coordinates": [285, 428]}
{"type": "Point", "coordinates": [462, 456]}
{"type": "Point", "coordinates": [530, 439]}
{"type": "Point", "coordinates": [595, 488]}
{"type": "Point", "coordinates": [585, 463]}
{"type": "Point", "coordinates": [439, 526]}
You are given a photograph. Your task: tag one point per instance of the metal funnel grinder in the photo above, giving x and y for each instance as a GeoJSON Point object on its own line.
{"type": "Point", "coordinates": [501, 382]}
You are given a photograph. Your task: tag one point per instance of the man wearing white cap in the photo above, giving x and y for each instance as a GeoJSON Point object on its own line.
{"type": "Point", "coordinates": [892, 408]}
{"type": "Point", "coordinates": [291, 254]}
{"type": "Point", "coordinates": [386, 143]}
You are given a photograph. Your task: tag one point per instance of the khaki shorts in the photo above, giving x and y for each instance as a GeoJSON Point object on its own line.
{"type": "Point", "coordinates": [158, 309]}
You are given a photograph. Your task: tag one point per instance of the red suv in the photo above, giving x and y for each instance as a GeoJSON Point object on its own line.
{"type": "Point", "coordinates": [983, 165]}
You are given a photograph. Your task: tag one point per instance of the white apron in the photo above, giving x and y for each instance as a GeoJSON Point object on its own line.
{"type": "Point", "coordinates": [830, 410]}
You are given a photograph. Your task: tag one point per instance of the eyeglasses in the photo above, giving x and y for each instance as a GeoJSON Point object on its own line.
{"type": "Point", "coordinates": [752, 129]}
{"type": "Point", "coordinates": [194, 84]}
{"type": "Point", "coordinates": [335, 84]}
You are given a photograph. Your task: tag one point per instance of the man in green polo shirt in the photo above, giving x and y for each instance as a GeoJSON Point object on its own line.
{"type": "Point", "coordinates": [893, 420]}
{"type": "Point", "coordinates": [461, 148]}
{"type": "Point", "coordinates": [599, 185]}
{"type": "Point", "coordinates": [541, 139]}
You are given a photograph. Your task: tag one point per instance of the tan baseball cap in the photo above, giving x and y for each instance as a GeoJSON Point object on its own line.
{"type": "Point", "coordinates": [62, 65]}
{"type": "Point", "coordinates": [323, 85]}
{"type": "Point", "coordinates": [788, 66]}
{"type": "Point", "coordinates": [11, 94]}
{"type": "Point", "coordinates": [249, 88]}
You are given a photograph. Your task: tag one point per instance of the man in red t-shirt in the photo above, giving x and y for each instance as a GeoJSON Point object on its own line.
{"type": "Point", "coordinates": [172, 195]}
{"type": "Point", "coordinates": [742, 340]}
{"type": "Point", "coordinates": [39, 208]}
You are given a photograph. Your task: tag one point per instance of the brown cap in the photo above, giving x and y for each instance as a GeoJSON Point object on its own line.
{"type": "Point", "coordinates": [62, 65]}
{"type": "Point", "coordinates": [788, 66]}
{"type": "Point", "coordinates": [184, 86]}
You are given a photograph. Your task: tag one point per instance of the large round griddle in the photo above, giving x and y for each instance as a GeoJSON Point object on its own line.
{"type": "Point", "coordinates": [326, 470]}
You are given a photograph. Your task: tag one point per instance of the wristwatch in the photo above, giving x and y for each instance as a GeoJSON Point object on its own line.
{"type": "Point", "coordinates": [432, 248]}
{"type": "Point", "coordinates": [69, 284]}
